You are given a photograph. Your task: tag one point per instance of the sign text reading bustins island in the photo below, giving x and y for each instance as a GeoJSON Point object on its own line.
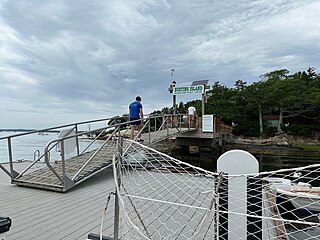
{"type": "Point", "coordinates": [188, 90]}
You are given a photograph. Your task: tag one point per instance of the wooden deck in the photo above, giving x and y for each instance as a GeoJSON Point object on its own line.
{"type": "Point", "coordinates": [39, 214]}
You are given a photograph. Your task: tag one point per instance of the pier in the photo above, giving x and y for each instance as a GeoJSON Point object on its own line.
{"type": "Point", "coordinates": [198, 138]}
{"type": "Point", "coordinates": [212, 138]}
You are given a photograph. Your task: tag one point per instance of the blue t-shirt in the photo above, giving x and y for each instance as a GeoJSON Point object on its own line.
{"type": "Point", "coordinates": [135, 110]}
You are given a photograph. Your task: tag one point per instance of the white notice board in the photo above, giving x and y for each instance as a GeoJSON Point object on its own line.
{"type": "Point", "coordinates": [207, 123]}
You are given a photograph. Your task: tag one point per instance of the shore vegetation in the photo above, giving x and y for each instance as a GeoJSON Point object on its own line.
{"type": "Point", "coordinates": [278, 103]}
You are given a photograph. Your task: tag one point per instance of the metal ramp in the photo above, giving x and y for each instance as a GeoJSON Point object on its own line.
{"type": "Point", "coordinates": [67, 172]}
{"type": "Point", "coordinates": [46, 179]}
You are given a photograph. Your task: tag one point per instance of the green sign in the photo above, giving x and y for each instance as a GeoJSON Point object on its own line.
{"type": "Point", "coordinates": [188, 90]}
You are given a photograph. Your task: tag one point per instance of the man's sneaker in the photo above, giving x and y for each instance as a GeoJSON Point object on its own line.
{"type": "Point", "coordinates": [140, 140]}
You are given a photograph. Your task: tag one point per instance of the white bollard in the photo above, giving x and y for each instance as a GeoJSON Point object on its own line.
{"type": "Point", "coordinates": [234, 224]}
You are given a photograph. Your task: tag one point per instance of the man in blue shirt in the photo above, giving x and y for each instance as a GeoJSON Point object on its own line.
{"type": "Point", "coordinates": [136, 115]}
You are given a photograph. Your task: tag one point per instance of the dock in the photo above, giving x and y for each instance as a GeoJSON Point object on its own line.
{"type": "Point", "coordinates": [164, 198]}
{"type": "Point", "coordinates": [171, 204]}
{"type": "Point", "coordinates": [50, 215]}
{"type": "Point", "coordinates": [195, 137]}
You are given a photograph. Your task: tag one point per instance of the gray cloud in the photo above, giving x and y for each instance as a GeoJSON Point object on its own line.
{"type": "Point", "coordinates": [85, 59]}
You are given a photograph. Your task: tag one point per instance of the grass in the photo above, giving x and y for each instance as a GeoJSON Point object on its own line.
{"type": "Point", "coordinates": [312, 147]}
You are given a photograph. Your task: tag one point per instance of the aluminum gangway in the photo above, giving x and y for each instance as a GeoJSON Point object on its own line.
{"type": "Point", "coordinates": [82, 154]}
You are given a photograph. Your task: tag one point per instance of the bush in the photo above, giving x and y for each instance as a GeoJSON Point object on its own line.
{"type": "Point", "coordinates": [303, 130]}
{"type": "Point", "coordinates": [247, 128]}
{"type": "Point", "coordinates": [270, 131]}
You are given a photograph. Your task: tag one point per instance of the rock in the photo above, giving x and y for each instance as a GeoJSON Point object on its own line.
{"type": "Point", "coordinates": [282, 143]}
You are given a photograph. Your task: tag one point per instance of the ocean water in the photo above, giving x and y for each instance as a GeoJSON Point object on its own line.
{"type": "Point", "coordinates": [28, 147]}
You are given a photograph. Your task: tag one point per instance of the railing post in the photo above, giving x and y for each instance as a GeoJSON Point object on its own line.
{"type": "Point", "coordinates": [116, 205]}
{"type": "Point", "coordinates": [77, 140]}
{"type": "Point", "coordinates": [10, 159]}
{"type": "Point", "coordinates": [63, 166]}
{"type": "Point", "coordinates": [119, 129]}
{"type": "Point", "coordinates": [167, 125]}
{"type": "Point", "coordinates": [149, 129]}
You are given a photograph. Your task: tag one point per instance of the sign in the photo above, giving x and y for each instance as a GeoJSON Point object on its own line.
{"type": "Point", "coordinates": [188, 90]}
{"type": "Point", "coordinates": [207, 123]}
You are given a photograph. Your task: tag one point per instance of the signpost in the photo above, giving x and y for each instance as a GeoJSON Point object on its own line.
{"type": "Point", "coordinates": [197, 87]}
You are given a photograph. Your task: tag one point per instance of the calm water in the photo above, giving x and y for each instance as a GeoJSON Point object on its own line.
{"type": "Point", "coordinates": [24, 147]}
{"type": "Point", "coordinates": [267, 162]}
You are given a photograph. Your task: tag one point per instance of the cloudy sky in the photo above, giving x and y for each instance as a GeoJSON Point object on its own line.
{"type": "Point", "coordinates": [63, 61]}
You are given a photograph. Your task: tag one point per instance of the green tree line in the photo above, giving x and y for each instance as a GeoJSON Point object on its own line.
{"type": "Point", "coordinates": [293, 98]}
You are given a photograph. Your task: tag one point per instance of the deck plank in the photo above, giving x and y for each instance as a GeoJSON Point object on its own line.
{"type": "Point", "coordinates": [39, 214]}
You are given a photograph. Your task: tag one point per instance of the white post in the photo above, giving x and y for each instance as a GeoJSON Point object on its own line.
{"type": "Point", "coordinates": [237, 162]}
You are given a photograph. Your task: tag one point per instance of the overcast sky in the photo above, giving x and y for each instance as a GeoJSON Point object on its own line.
{"type": "Point", "coordinates": [63, 61]}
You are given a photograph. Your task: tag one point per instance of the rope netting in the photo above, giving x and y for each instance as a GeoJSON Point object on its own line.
{"type": "Point", "coordinates": [161, 197]}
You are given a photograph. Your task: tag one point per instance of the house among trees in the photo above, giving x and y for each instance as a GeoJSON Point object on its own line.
{"type": "Point", "coordinates": [271, 120]}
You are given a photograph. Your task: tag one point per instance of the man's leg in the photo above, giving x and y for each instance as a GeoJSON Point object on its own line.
{"type": "Point", "coordinates": [139, 129]}
{"type": "Point", "coordinates": [192, 120]}
{"type": "Point", "coordinates": [132, 131]}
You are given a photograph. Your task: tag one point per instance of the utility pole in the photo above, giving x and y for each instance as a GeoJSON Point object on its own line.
{"type": "Point", "coordinates": [203, 99]}
{"type": "Point", "coordinates": [173, 96]}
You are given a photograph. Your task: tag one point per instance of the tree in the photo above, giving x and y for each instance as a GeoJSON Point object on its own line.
{"type": "Point", "coordinates": [221, 101]}
{"type": "Point", "coordinates": [257, 93]}
{"type": "Point", "coordinates": [276, 84]}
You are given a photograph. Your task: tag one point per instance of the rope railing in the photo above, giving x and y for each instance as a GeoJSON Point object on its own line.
{"type": "Point", "coordinates": [161, 197]}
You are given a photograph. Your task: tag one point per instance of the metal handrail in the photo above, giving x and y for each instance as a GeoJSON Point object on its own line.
{"type": "Point", "coordinates": [164, 118]}
{"type": "Point", "coordinates": [96, 152]}
{"type": "Point", "coordinates": [13, 173]}
{"type": "Point", "coordinates": [59, 127]}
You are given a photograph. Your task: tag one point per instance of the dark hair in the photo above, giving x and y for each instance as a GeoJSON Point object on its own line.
{"type": "Point", "coordinates": [138, 98]}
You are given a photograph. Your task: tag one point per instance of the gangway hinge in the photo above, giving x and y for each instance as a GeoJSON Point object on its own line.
{"type": "Point", "coordinates": [13, 173]}
{"type": "Point", "coordinates": [68, 183]}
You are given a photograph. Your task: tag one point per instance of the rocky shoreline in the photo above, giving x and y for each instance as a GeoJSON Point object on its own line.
{"type": "Point", "coordinates": [282, 139]}
{"type": "Point", "coordinates": [282, 144]}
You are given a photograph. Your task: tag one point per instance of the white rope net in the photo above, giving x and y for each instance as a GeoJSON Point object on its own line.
{"type": "Point", "coordinates": [163, 198]}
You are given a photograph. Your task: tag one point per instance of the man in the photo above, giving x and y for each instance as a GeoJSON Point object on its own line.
{"type": "Point", "coordinates": [191, 113]}
{"type": "Point", "coordinates": [136, 115]}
